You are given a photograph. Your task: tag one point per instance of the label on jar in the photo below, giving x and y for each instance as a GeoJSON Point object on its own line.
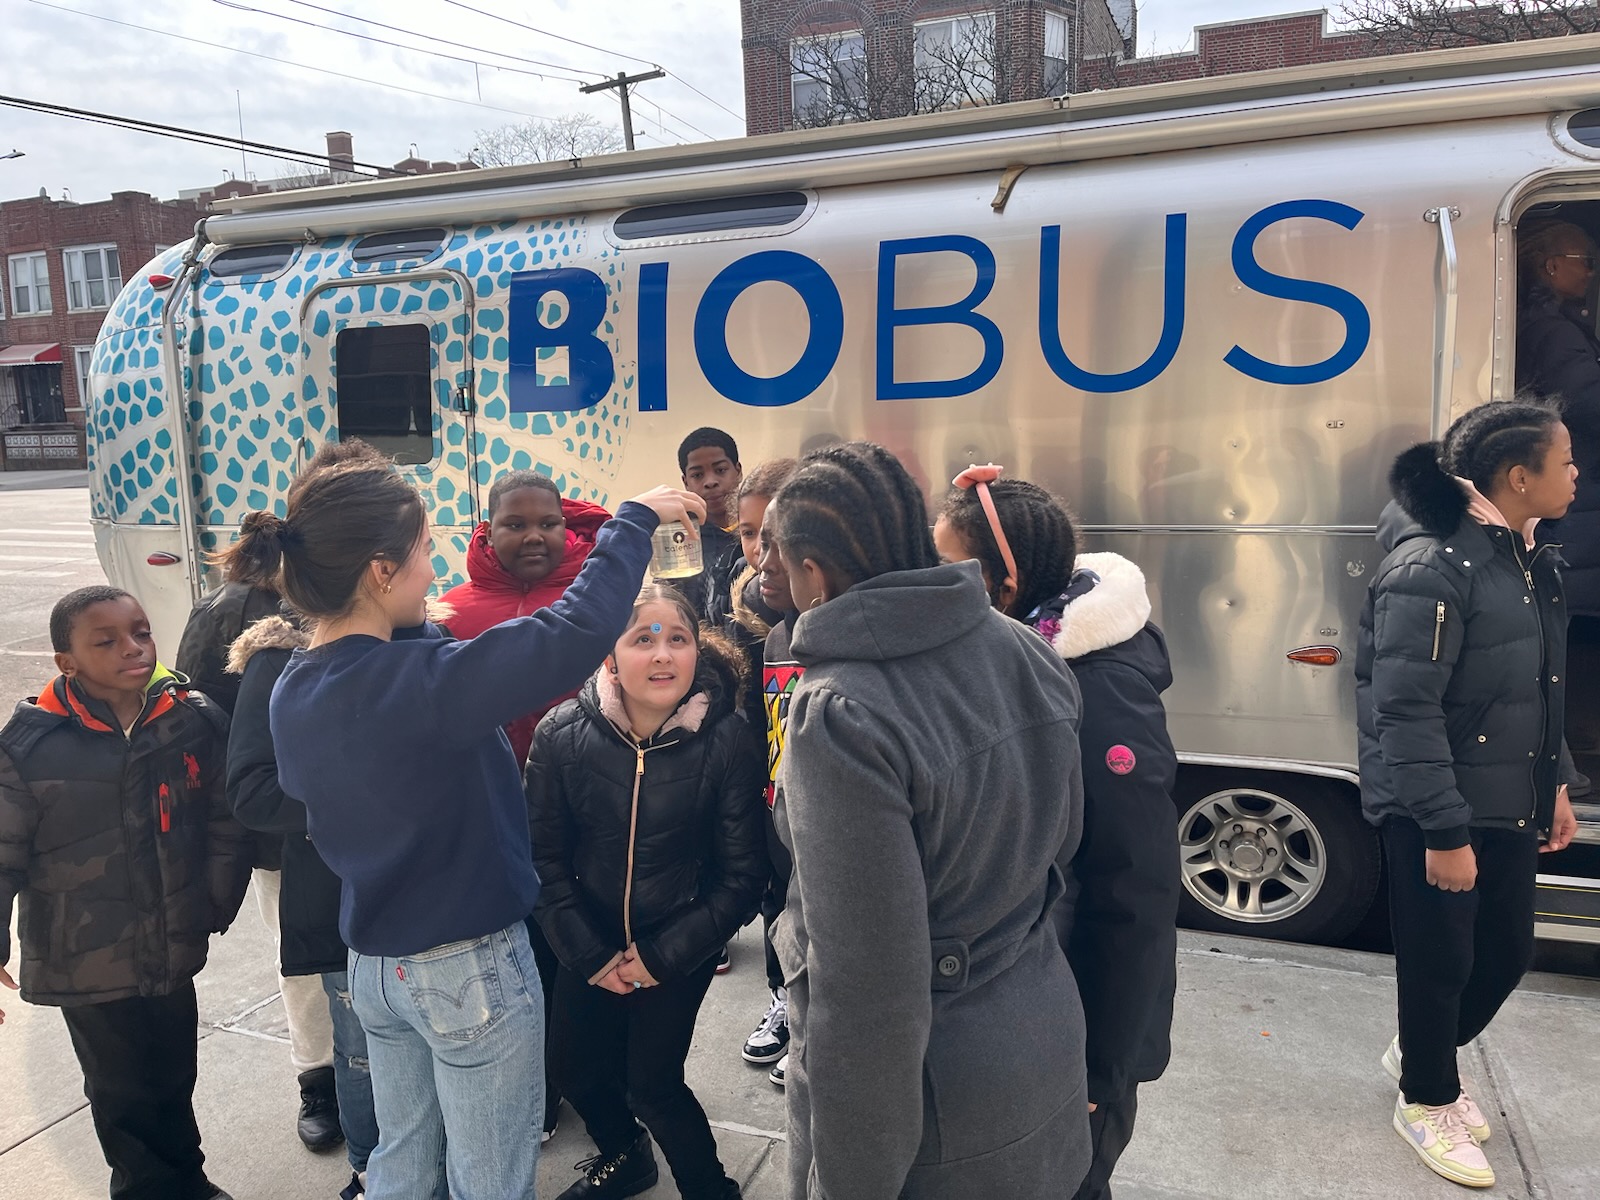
{"type": "Point", "coordinates": [673, 553]}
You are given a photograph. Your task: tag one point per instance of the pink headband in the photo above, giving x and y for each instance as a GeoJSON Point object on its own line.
{"type": "Point", "coordinates": [981, 478]}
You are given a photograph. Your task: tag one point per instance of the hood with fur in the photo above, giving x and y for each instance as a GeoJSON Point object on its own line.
{"type": "Point", "coordinates": [748, 608]}
{"type": "Point", "coordinates": [1105, 605]}
{"type": "Point", "coordinates": [269, 633]}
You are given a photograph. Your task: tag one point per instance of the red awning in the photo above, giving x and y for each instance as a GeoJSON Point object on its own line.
{"type": "Point", "coordinates": [30, 353]}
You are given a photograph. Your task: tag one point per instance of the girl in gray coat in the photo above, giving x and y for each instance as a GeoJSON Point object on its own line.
{"type": "Point", "coordinates": [931, 796]}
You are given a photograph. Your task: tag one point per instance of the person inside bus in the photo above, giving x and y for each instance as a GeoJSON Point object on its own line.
{"type": "Point", "coordinates": [645, 802]}
{"type": "Point", "coordinates": [761, 604]}
{"type": "Point", "coordinates": [1558, 357]}
{"type": "Point", "coordinates": [1459, 668]}
{"type": "Point", "coordinates": [397, 750]}
{"type": "Point", "coordinates": [931, 799]}
{"type": "Point", "coordinates": [1119, 920]}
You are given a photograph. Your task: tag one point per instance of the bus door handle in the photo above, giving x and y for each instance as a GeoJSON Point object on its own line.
{"type": "Point", "coordinates": [300, 445]}
{"type": "Point", "coordinates": [1444, 324]}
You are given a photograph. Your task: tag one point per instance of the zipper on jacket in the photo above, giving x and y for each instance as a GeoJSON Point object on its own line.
{"type": "Point", "coordinates": [164, 807]}
{"type": "Point", "coordinates": [1544, 666]}
{"type": "Point", "coordinates": [1438, 629]}
{"type": "Point", "coordinates": [633, 829]}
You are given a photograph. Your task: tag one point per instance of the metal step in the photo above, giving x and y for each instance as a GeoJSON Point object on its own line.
{"type": "Point", "coordinates": [1588, 814]}
{"type": "Point", "coordinates": [1566, 908]}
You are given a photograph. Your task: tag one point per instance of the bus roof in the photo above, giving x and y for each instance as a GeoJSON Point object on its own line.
{"type": "Point", "coordinates": [1545, 75]}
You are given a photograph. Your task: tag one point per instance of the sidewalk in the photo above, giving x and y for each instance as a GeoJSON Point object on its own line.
{"type": "Point", "coordinates": [1275, 1090]}
{"type": "Point", "coordinates": [30, 481]}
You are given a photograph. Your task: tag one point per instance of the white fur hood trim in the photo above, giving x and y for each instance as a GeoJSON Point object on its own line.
{"type": "Point", "coordinates": [1113, 612]}
{"type": "Point", "coordinates": [691, 713]}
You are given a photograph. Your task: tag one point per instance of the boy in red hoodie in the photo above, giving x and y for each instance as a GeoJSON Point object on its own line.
{"type": "Point", "coordinates": [521, 560]}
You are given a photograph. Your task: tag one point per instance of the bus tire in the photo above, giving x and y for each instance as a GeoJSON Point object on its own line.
{"type": "Point", "coordinates": [1273, 855]}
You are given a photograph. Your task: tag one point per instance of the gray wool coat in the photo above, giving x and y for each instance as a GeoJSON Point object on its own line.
{"type": "Point", "coordinates": [931, 796]}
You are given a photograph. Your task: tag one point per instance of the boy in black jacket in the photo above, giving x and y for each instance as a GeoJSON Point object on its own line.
{"type": "Point", "coordinates": [115, 833]}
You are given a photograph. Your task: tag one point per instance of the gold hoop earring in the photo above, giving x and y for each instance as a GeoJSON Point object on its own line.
{"type": "Point", "coordinates": [387, 588]}
{"type": "Point", "coordinates": [815, 600]}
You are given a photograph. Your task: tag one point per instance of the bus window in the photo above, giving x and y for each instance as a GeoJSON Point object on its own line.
{"type": "Point", "coordinates": [383, 375]}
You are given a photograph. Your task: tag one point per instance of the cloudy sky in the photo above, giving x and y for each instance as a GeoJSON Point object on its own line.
{"type": "Point", "coordinates": [285, 67]}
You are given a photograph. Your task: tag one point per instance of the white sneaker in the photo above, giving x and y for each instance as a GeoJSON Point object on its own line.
{"type": "Point", "coordinates": [1442, 1142]}
{"type": "Point", "coordinates": [1471, 1115]}
{"type": "Point", "coordinates": [780, 1073]}
{"type": "Point", "coordinates": [770, 1041]}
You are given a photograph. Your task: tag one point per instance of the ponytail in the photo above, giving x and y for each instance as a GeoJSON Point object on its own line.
{"type": "Point", "coordinates": [256, 558]}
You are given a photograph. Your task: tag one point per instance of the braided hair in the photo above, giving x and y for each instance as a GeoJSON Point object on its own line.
{"type": "Point", "coordinates": [854, 510]}
{"type": "Point", "coordinates": [1039, 529]}
{"type": "Point", "coordinates": [1493, 438]}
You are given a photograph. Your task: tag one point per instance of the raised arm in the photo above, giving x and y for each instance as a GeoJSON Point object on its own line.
{"type": "Point", "coordinates": [523, 664]}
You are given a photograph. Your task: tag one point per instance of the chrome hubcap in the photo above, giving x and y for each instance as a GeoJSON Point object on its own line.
{"type": "Point", "coordinates": [1251, 856]}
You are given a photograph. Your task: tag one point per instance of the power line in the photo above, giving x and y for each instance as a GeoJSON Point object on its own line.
{"type": "Point", "coordinates": [548, 33]}
{"type": "Point", "coordinates": [684, 121]}
{"type": "Point", "coordinates": [291, 63]}
{"type": "Point", "coordinates": [367, 37]}
{"type": "Point", "coordinates": [736, 116]}
{"type": "Point", "coordinates": [533, 62]}
{"type": "Point", "coordinates": [598, 49]}
{"type": "Point", "coordinates": [180, 133]}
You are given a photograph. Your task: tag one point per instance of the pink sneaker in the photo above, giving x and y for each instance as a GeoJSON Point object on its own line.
{"type": "Point", "coordinates": [1440, 1138]}
{"type": "Point", "coordinates": [1472, 1117]}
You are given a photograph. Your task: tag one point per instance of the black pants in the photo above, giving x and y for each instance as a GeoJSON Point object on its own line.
{"type": "Point", "coordinates": [1110, 1131]}
{"type": "Point", "coordinates": [1457, 955]}
{"type": "Point", "coordinates": [1583, 685]}
{"type": "Point", "coordinates": [773, 900]}
{"type": "Point", "coordinates": [621, 1056]}
{"type": "Point", "coordinates": [139, 1058]}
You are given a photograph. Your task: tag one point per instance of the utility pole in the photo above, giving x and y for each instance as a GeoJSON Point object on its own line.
{"type": "Point", "coordinates": [622, 83]}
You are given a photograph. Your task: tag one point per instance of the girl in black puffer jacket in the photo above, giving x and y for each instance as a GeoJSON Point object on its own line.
{"type": "Point", "coordinates": [1459, 695]}
{"type": "Point", "coordinates": [645, 805]}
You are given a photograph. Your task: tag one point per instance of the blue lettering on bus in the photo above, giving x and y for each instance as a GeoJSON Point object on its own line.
{"type": "Point", "coordinates": [823, 340]}
{"type": "Point", "coordinates": [1357, 321]}
{"type": "Point", "coordinates": [590, 370]}
{"type": "Point", "coordinates": [961, 312]}
{"type": "Point", "coordinates": [1172, 314]}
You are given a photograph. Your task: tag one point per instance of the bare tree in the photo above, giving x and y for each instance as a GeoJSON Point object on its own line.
{"type": "Point", "coordinates": [951, 63]}
{"type": "Point", "coordinates": [1435, 24]}
{"type": "Point", "coordinates": [574, 135]}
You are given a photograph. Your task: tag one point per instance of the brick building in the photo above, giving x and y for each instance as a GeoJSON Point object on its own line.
{"type": "Point", "coordinates": [61, 266]}
{"type": "Point", "coordinates": [824, 62]}
{"type": "Point", "coordinates": [340, 169]}
{"type": "Point", "coordinates": [815, 62]}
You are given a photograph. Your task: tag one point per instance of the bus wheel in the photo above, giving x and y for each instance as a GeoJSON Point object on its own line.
{"type": "Point", "coordinates": [1280, 856]}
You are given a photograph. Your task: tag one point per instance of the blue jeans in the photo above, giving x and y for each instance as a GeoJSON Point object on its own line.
{"type": "Point", "coordinates": [455, 1038]}
{"type": "Point", "coordinates": [351, 1074]}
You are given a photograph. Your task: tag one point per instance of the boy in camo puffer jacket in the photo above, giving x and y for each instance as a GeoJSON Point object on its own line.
{"type": "Point", "coordinates": [116, 835]}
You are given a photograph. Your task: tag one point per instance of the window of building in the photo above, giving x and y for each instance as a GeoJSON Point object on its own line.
{"type": "Point", "coordinates": [82, 356]}
{"type": "Point", "coordinates": [956, 61]}
{"type": "Point", "coordinates": [384, 377]}
{"type": "Point", "coordinates": [828, 78]}
{"type": "Point", "coordinates": [30, 284]}
{"type": "Point", "coordinates": [94, 276]}
{"type": "Point", "coordinates": [1057, 42]}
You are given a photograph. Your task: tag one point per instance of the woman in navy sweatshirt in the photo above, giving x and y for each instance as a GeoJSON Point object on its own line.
{"type": "Point", "coordinates": [414, 798]}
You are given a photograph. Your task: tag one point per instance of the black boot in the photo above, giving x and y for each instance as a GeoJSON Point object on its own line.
{"type": "Point", "coordinates": [728, 1189]}
{"type": "Point", "coordinates": [625, 1174]}
{"type": "Point", "coordinates": [318, 1125]}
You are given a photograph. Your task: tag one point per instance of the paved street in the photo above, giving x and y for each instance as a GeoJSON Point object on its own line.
{"type": "Point", "coordinates": [1275, 1090]}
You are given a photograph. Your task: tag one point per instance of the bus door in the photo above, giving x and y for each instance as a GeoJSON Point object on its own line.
{"type": "Point", "coordinates": [389, 360]}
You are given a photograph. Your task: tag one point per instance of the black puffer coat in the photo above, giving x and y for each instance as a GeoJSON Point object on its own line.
{"type": "Point", "coordinates": [221, 616]}
{"type": "Point", "coordinates": [694, 868]}
{"type": "Point", "coordinates": [1459, 667]}
{"type": "Point", "coordinates": [1558, 357]}
{"type": "Point", "coordinates": [119, 847]}
{"type": "Point", "coordinates": [308, 899]}
{"type": "Point", "coordinates": [1119, 917]}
